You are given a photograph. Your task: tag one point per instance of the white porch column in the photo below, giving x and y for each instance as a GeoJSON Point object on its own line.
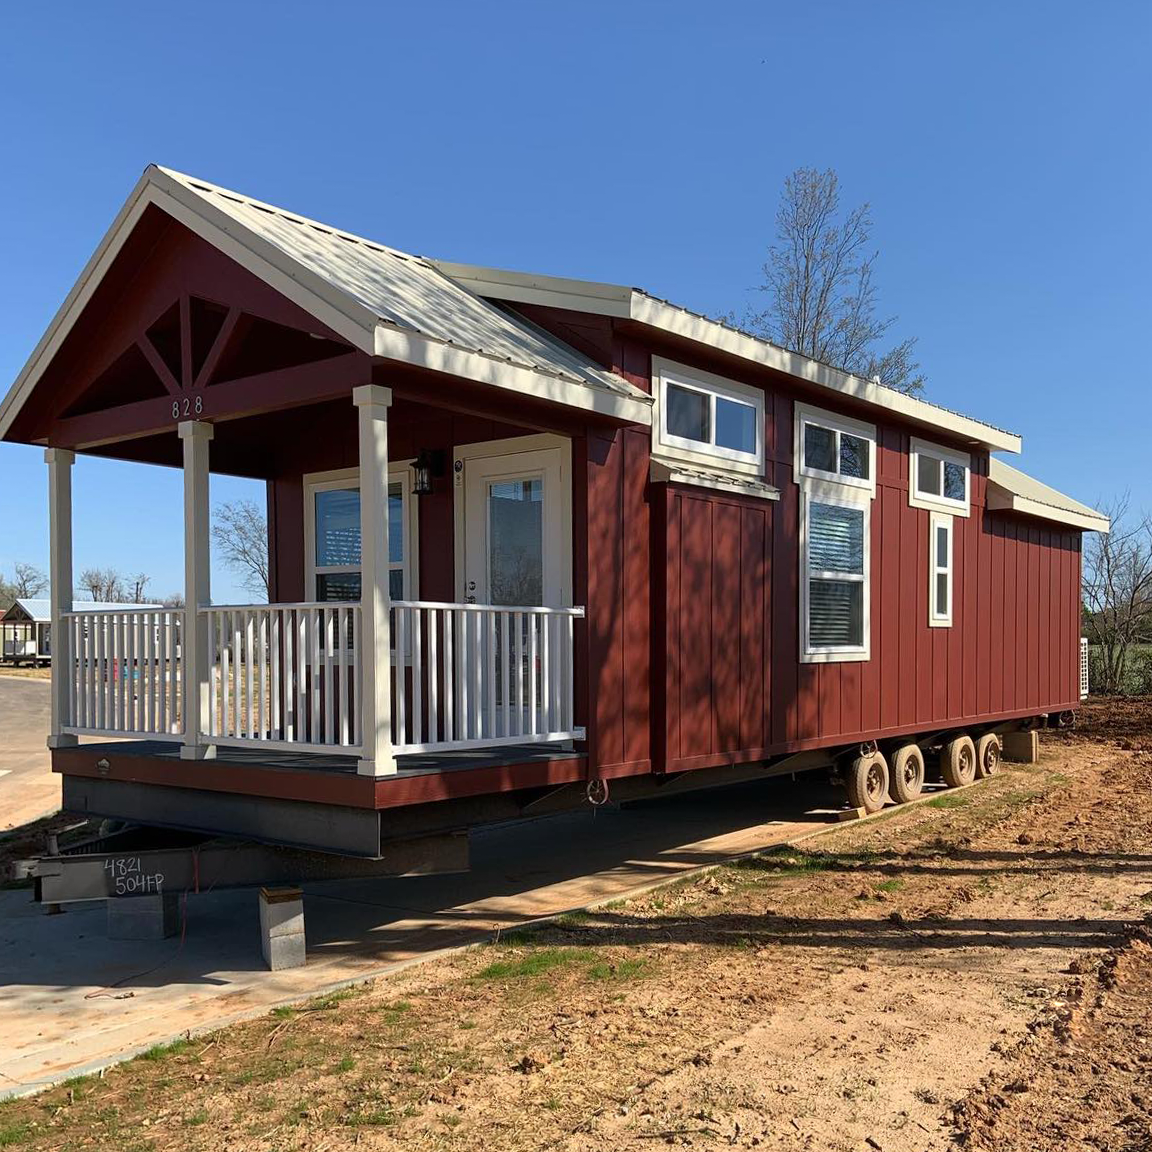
{"type": "Point", "coordinates": [372, 401]}
{"type": "Point", "coordinates": [59, 461]}
{"type": "Point", "coordinates": [194, 670]}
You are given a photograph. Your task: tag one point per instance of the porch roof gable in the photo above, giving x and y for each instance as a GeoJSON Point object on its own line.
{"type": "Point", "coordinates": [385, 302]}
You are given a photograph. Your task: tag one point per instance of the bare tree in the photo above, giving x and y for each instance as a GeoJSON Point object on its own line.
{"type": "Point", "coordinates": [1118, 591]}
{"type": "Point", "coordinates": [139, 582]}
{"type": "Point", "coordinates": [29, 580]}
{"type": "Point", "coordinates": [818, 278]}
{"type": "Point", "coordinates": [240, 534]}
{"type": "Point", "coordinates": [174, 600]}
{"type": "Point", "coordinates": [105, 585]}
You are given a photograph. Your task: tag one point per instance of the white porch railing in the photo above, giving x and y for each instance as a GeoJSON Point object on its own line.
{"type": "Point", "coordinates": [288, 675]}
{"type": "Point", "coordinates": [479, 675]}
{"type": "Point", "coordinates": [285, 675]}
{"type": "Point", "coordinates": [1084, 686]}
{"type": "Point", "coordinates": [124, 674]}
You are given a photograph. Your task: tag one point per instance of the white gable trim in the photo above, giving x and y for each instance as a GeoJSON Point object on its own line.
{"type": "Point", "coordinates": [349, 319]}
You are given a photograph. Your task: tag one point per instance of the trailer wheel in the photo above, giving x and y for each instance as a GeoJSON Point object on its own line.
{"type": "Point", "coordinates": [907, 775]}
{"type": "Point", "coordinates": [958, 762]}
{"type": "Point", "coordinates": [867, 782]}
{"type": "Point", "coordinates": [988, 755]}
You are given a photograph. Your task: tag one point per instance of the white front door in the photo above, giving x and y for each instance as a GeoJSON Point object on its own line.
{"type": "Point", "coordinates": [516, 528]}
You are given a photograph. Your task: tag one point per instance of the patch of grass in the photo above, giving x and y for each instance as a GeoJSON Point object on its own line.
{"type": "Point", "coordinates": [197, 1118]}
{"type": "Point", "coordinates": [628, 969]}
{"type": "Point", "coordinates": [573, 919]}
{"type": "Point", "coordinates": [163, 1051]}
{"type": "Point", "coordinates": [796, 862]}
{"type": "Point", "coordinates": [535, 963]}
{"type": "Point", "coordinates": [382, 1117]}
{"type": "Point", "coordinates": [284, 1012]}
{"type": "Point", "coordinates": [950, 800]}
{"type": "Point", "coordinates": [346, 1064]}
{"type": "Point", "coordinates": [892, 885]}
{"type": "Point", "coordinates": [11, 1134]}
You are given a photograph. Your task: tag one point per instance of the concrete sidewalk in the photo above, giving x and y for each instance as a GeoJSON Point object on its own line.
{"type": "Point", "coordinates": [59, 1014]}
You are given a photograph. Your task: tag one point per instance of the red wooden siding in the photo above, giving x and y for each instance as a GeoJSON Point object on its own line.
{"type": "Point", "coordinates": [734, 685]}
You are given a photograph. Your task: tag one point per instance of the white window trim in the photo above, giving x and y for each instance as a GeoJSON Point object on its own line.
{"type": "Point", "coordinates": [668, 447]}
{"type": "Point", "coordinates": [935, 521]}
{"type": "Point", "coordinates": [839, 654]}
{"type": "Point", "coordinates": [344, 478]}
{"type": "Point", "coordinates": [941, 503]}
{"type": "Point", "coordinates": [806, 414]}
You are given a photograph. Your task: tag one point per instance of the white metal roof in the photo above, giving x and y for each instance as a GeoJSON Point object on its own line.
{"type": "Point", "coordinates": [385, 302]}
{"type": "Point", "coordinates": [40, 611]}
{"type": "Point", "coordinates": [1016, 491]}
{"type": "Point", "coordinates": [635, 304]}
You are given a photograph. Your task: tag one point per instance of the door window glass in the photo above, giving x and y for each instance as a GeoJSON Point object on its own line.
{"type": "Point", "coordinates": [516, 542]}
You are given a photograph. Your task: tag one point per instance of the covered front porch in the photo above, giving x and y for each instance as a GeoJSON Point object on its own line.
{"type": "Point", "coordinates": [382, 682]}
{"type": "Point", "coordinates": [445, 493]}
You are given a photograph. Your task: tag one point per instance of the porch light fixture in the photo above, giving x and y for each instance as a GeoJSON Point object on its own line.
{"type": "Point", "coordinates": [429, 466]}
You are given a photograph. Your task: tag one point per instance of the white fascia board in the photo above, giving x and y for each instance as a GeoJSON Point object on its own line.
{"type": "Point", "coordinates": [631, 304]}
{"type": "Point", "coordinates": [999, 499]}
{"type": "Point", "coordinates": [393, 343]}
{"type": "Point", "coordinates": [657, 314]}
{"type": "Point", "coordinates": [331, 307]}
{"type": "Point", "coordinates": [553, 291]}
{"type": "Point", "coordinates": [1011, 490]}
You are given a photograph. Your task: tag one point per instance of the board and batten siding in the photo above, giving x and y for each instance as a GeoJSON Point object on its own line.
{"type": "Point", "coordinates": [734, 688]}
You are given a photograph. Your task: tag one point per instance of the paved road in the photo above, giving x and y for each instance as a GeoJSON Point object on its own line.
{"type": "Point", "coordinates": [28, 788]}
{"type": "Point", "coordinates": [51, 1025]}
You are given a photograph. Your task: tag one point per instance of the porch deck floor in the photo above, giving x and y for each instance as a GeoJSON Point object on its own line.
{"type": "Point", "coordinates": [407, 767]}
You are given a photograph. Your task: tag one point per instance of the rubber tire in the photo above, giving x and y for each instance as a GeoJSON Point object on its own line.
{"type": "Point", "coordinates": [988, 755]}
{"type": "Point", "coordinates": [867, 782]}
{"type": "Point", "coordinates": [899, 788]}
{"type": "Point", "coordinates": [958, 762]}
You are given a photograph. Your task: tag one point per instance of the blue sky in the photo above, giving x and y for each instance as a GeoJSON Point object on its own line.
{"type": "Point", "coordinates": [1006, 151]}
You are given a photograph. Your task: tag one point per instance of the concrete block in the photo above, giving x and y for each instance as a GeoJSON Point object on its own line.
{"type": "Point", "coordinates": [1021, 747]}
{"type": "Point", "coordinates": [282, 940]}
{"type": "Point", "coordinates": [144, 917]}
{"type": "Point", "coordinates": [282, 952]}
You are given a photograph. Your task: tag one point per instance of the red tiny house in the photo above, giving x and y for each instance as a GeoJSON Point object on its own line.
{"type": "Point", "coordinates": [724, 556]}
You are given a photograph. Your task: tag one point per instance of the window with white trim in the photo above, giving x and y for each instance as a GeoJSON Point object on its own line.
{"type": "Point", "coordinates": [940, 569]}
{"type": "Point", "coordinates": [332, 529]}
{"type": "Point", "coordinates": [938, 477]}
{"type": "Point", "coordinates": [834, 448]}
{"type": "Point", "coordinates": [834, 591]}
{"type": "Point", "coordinates": [706, 419]}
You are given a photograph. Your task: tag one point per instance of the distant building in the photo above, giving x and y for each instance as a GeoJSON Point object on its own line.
{"type": "Point", "coordinates": [26, 628]}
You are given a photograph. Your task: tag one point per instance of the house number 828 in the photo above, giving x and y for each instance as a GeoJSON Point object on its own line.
{"type": "Point", "coordinates": [187, 407]}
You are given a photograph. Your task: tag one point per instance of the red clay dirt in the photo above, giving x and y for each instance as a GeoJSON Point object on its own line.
{"type": "Point", "coordinates": [974, 972]}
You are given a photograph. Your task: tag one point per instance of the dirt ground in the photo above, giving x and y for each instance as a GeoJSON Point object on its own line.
{"type": "Point", "coordinates": [971, 972]}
